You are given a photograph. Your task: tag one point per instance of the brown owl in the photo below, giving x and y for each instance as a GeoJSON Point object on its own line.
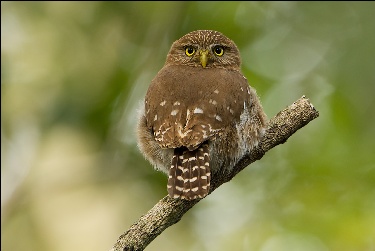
{"type": "Point", "coordinates": [200, 115]}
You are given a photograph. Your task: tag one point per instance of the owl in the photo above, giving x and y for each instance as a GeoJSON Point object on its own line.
{"type": "Point", "coordinates": [199, 116]}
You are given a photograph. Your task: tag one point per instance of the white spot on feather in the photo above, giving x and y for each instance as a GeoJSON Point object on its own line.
{"type": "Point", "coordinates": [174, 112]}
{"type": "Point", "coordinates": [198, 110]}
{"type": "Point", "coordinates": [193, 179]}
{"type": "Point", "coordinates": [217, 117]}
{"type": "Point", "coordinates": [179, 189]}
{"type": "Point", "coordinates": [166, 130]}
{"type": "Point", "coordinates": [176, 103]}
{"type": "Point", "coordinates": [163, 103]}
{"type": "Point", "coordinates": [213, 102]}
{"type": "Point", "coordinates": [216, 91]}
{"type": "Point", "coordinates": [156, 117]}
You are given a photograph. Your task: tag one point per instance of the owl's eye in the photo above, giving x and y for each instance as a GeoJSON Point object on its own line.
{"type": "Point", "coordinates": [189, 51]}
{"type": "Point", "coordinates": [218, 50]}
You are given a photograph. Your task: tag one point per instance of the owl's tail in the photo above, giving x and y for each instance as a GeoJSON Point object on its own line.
{"type": "Point", "coordinates": [189, 175]}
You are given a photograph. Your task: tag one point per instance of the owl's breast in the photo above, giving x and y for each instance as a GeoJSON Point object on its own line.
{"type": "Point", "coordinates": [186, 106]}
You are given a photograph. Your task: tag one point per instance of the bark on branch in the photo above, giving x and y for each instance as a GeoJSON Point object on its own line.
{"type": "Point", "coordinates": [169, 211]}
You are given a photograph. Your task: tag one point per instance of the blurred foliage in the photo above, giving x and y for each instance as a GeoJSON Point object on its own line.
{"type": "Point", "coordinates": [73, 75]}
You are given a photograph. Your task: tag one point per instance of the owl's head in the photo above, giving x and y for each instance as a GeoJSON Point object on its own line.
{"type": "Point", "coordinates": [206, 49]}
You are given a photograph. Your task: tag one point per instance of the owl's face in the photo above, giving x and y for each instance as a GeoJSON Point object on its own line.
{"type": "Point", "coordinates": [206, 49]}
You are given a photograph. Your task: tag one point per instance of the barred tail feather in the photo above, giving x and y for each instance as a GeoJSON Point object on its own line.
{"type": "Point", "coordinates": [189, 175]}
{"type": "Point", "coordinates": [175, 180]}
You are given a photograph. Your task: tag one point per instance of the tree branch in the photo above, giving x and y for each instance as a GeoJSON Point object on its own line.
{"type": "Point", "coordinates": [169, 211]}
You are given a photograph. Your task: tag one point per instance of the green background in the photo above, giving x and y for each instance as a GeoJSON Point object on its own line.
{"type": "Point", "coordinates": [73, 75]}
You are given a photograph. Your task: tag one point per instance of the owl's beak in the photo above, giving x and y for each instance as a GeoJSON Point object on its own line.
{"type": "Point", "coordinates": [203, 57]}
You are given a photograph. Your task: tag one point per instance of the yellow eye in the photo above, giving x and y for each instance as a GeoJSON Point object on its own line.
{"type": "Point", "coordinates": [189, 51]}
{"type": "Point", "coordinates": [218, 50]}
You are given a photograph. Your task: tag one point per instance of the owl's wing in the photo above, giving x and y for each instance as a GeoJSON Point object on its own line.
{"type": "Point", "coordinates": [185, 106]}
